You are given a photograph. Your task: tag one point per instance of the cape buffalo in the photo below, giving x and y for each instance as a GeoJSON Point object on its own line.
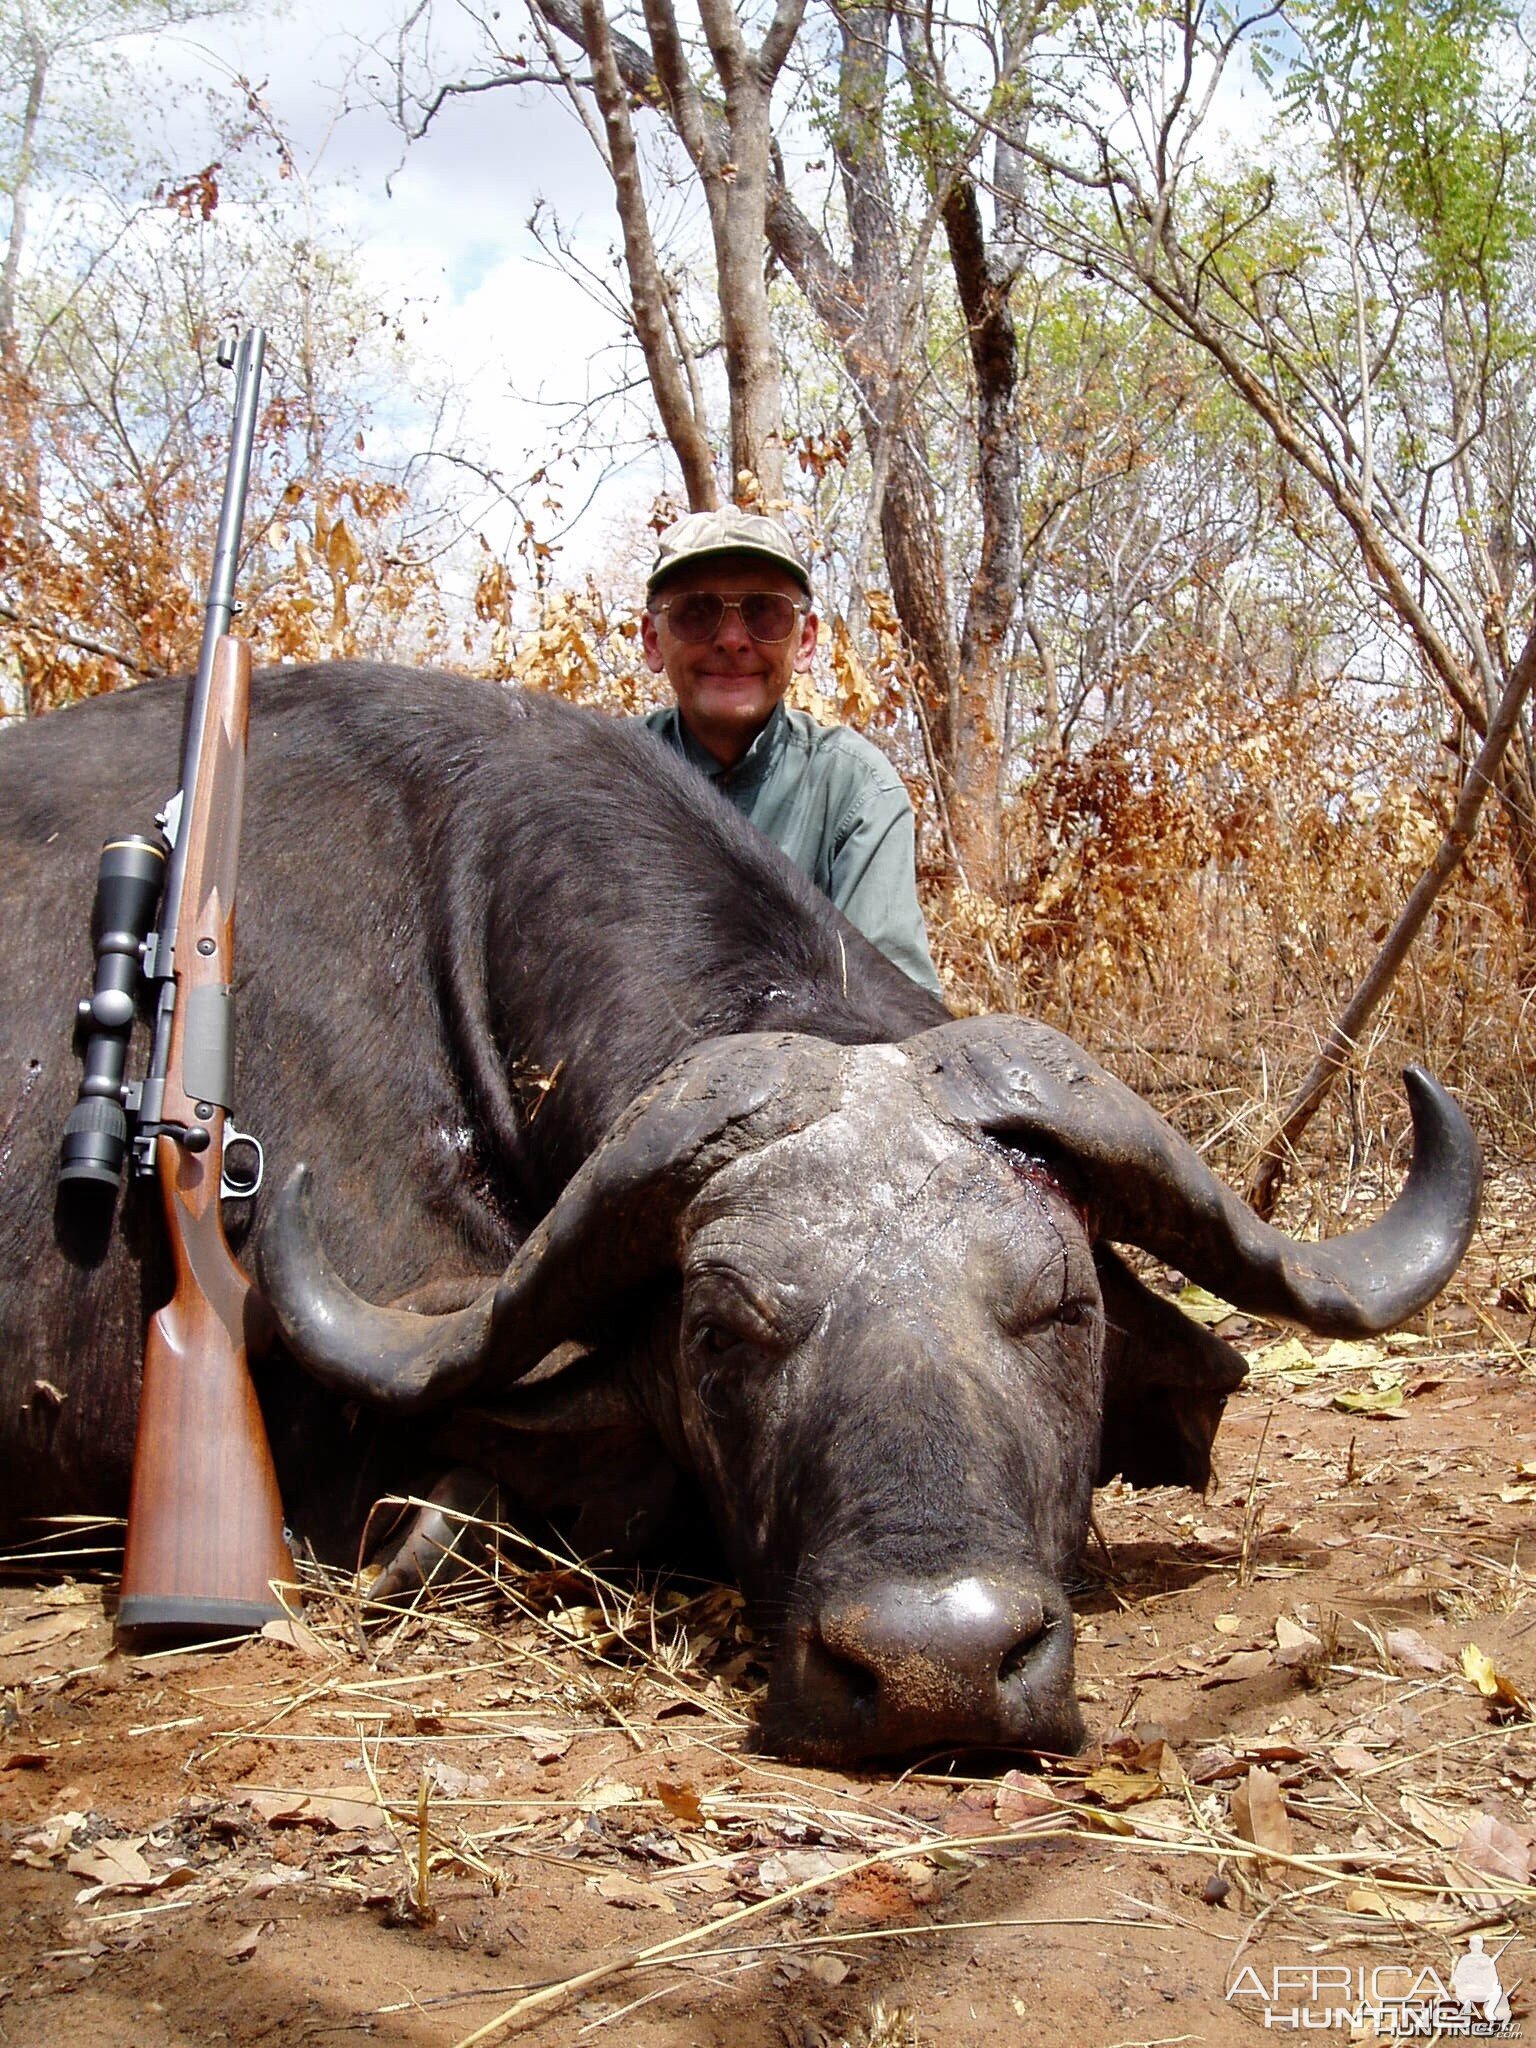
{"type": "Point", "coordinates": [695, 1183]}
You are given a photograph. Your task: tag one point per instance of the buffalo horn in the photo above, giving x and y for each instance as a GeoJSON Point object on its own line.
{"type": "Point", "coordinates": [613, 1229]}
{"type": "Point", "coordinates": [1025, 1083]}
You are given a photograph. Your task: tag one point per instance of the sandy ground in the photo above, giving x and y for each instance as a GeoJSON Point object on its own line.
{"type": "Point", "coordinates": [1313, 1753]}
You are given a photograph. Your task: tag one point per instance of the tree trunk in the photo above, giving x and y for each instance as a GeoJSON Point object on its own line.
{"type": "Point", "coordinates": [1269, 1173]}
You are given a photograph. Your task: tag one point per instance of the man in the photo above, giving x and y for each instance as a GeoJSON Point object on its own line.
{"type": "Point", "coordinates": [728, 620]}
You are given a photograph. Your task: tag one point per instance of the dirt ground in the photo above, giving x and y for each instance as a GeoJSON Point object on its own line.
{"type": "Point", "coordinates": [1313, 1754]}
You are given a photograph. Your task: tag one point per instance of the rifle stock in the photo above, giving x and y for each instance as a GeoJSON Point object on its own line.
{"type": "Point", "coordinates": [205, 1522]}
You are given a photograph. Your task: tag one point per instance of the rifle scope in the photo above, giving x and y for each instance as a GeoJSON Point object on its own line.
{"type": "Point", "coordinates": [128, 883]}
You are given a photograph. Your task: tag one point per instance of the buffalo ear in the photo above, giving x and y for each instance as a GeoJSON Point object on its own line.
{"type": "Point", "coordinates": [1166, 1382]}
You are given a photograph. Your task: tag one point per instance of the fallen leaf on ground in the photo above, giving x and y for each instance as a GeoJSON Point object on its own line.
{"type": "Point", "coordinates": [547, 1744]}
{"type": "Point", "coordinates": [801, 1866]}
{"type": "Point", "coordinates": [1242, 1664]}
{"type": "Point", "coordinates": [1444, 1825]}
{"type": "Point", "coordinates": [1258, 1812]}
{"type": "Point", "coordinates": [1289, 1357]}
{"type": "Point", "coordinates": [827, 1969]}
{"type": "Point", "coordinates": [1203, 1307]}
{"type": "Point", "coordinates": [1391, 1905]}
{"type": "Point", "coordinates": [1116, 1787]}
{"type": "Point", "coordinates": [453, 1783]}
{"type": "Point", "coordinates": [39, 1630]}
{"type": "Point", "coordinates": [313, 1810]}
{"type": "Point", "coordinates": [285, 1629]}
{"type": "Point", "coordinates": [607, 1793]}
{"type": "Point", "coordinates": [243, 1947]}
{"type": "Point", "coordinates": [682, 1802]}
{"type": "Point", "coordinates": [1349, 1354]}
{"type": "Point", "coordinates": [1021, 1799]}
{"type": "Point", "coordinates": [1295, 1646]}
{"type": "Point", "coordinates": [1349, 1756]}
{"type": "Point", "coordinates": [1411, 1652]}
{"type": "Point", "coordinates": [620, 1890]}
{"type": "Point", "coordinates": [1379, 1401]}
{"type": "Point", "coordinates": [1490, 1849]}
{"type": "Point", "coordinates": [1504, 1697]}
{"type": "Point", "coordinates": [114, 1865]}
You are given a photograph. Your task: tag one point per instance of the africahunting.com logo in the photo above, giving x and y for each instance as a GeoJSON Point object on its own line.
{"type": "Point", "coordinates": [1393, 2001]}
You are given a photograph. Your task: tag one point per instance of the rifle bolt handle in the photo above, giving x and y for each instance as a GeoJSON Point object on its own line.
{"type": "Point", "coordinates": [190, 1136]}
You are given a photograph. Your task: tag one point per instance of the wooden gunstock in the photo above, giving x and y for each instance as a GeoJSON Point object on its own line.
{"type": "Point", "coordinates": [205, 1520]}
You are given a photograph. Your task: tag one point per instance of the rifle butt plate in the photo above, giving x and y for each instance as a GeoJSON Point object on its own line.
{"type": "Point", "coordinates": [149, 1621]}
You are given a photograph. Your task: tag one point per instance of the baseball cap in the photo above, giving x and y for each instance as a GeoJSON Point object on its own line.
{"type": "Point", "coordinates": [728, 531]}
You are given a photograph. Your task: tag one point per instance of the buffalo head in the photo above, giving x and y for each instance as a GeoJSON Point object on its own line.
{"type": "Point", "coordinates": [860, 1283]}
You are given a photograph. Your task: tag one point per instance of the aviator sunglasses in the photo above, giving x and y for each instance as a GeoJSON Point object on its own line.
{"type": "Point", "coordinates": [766, 614]}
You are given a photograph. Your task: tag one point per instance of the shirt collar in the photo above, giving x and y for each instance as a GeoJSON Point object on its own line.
{"type": "Point", "coordinates": [754, 763]}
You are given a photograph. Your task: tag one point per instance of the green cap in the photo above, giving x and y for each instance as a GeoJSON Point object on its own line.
{"type": "Point", "coordinates": [730, 531]}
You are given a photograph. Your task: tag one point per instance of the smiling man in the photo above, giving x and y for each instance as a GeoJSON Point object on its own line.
{"type": "Point", "coordinates": [729, 621]}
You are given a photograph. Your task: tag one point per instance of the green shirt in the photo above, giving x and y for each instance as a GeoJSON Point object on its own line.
{"type": "Point", "coordinates": [838, 809]}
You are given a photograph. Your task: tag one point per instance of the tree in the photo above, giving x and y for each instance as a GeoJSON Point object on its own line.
{"type": "Point", "coordinates": [118, 417]}
{"type": "Point", "coordinates": [909, 194]}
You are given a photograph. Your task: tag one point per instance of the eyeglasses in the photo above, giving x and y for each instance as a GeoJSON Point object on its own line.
{"type": "Point", "coordinates": [766, 614]}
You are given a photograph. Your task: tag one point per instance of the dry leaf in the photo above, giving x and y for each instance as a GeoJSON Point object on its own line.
{"type": "Point", "coordinates": [1411, 1652]}
{"type": "Point", "coordinates": [801, 1866]}
{"type": "Point", "coordinates": [1378, 1401]}
{"type": "Point", "coordinates": [335, 1812]}
{"type": "Point", "coordinates": [1490, 1849]}
{"type": "Point", "coordinates": [287, 1630]}
{"type": "Point", "coordinates": [244, 1946]}
{"type": "Point", "coordinates": [1391, 1906]}
{"type": "Point", "coordinates": [1349, 1354]}
{"type": "Point", "coordinates": [1116, 1787]}
{"type": "Point", "coordinates": [1258, 1812]}
{"type": "Point", "coordinates": [1444, 1825]}
{"type": "Point", "coordinates": [1295, 1646]}
{"type": "Point", "coordinates": [606, 1793]}
{"type": "Point", "coordinates": [1504, 1697]}
{"type": "Point", "coordinates": [1290, 1358]}
{"type": "Point", "coordinates": [827, 1969]}
{"type": "Point", "coordinates": [547, 1744]}
{"type": "Point", "coordinates": [682, 1802]}
{"type": "Point", "coordinates": [1242, 1664]}
{"type": "Point", "coordinates": [114, 1865]}
{"type": "Point", "coordinates": [620, 1890]}
{"type": "Point", "coordinates": [452, 1783]}
{"type": "Point", "coordinates": [1021, 1799]}
{"type": "Point", "coordinates": [1349, 1756]}
{"type": "Point", "coordinates": [1203, 1307]}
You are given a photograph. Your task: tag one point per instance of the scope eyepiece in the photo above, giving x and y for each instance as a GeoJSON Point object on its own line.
{"type": "Point", "coordinates": [128, 884]}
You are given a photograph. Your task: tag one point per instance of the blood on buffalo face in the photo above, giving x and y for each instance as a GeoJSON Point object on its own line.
{"type": "Point", "coordinates": [889, 1385]}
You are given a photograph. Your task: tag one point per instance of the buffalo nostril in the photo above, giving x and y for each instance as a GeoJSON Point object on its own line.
{"type": "Point", "coordinates": [1017, 1658]}
{"type": "Point", "coordinates": [904, 1664]}
{"type": "Point", "coordinates": [970, 1637]}
{"type": "Point", "coordinates": [842, 1669]}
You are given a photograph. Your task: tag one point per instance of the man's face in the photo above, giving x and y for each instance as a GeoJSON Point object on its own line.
{"type": "Point", "coordinates": [727, 685]}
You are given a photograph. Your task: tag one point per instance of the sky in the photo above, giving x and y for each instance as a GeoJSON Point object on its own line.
{"type": "Point", "coordinates": [441, 227]}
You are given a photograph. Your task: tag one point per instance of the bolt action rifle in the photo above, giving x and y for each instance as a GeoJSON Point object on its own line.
{"type": "Point", "coordinates": [205, 1523]}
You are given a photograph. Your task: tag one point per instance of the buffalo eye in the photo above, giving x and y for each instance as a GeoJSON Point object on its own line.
{"type": "Point", "coordinates": [1029, 1319]}
{"type": "Point", "coordinates": [713, 1339]}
